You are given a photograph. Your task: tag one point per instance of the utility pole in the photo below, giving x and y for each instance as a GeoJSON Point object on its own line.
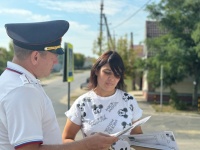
{"type": "Point", "coordinates": [114, 40]}
{"type": "Point", "coordinates": [132, 46]}
{"type": "Point", "coordinates": [161, 87]}
{"type": "Point", "coordinates": [110, 41]}
{"type": "Point", "coordinates": [132, 49]}
{"type": "Point", "coordinates": [101, 32]}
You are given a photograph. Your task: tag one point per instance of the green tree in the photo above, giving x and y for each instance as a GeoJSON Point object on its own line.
{"type": "Point", "coordinates": [129, 58]}
{"type": "Point", "coordinates": [127, 54]}
{"type": "Point", "coordinates": [96, 46]}
{"type": "Point", "coordinates": [182, 21]}
{"type": "Point", "coordinates": [79, 60]}
{"type": "Point", "coordinates": [10, 52]}
{"type": "Point", "coordinates": [5, 56]}
{"type": "Point", "coordinates": [3, 59]}
{"type": "Point", "coordinates": [166, 52]}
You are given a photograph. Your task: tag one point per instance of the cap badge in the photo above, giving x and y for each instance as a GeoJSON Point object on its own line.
{"type": "Point", "coordinates": [52, 48]}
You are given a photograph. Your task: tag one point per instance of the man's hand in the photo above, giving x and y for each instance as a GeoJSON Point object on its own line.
{"type": "Point", "coordinates": [99, 141]}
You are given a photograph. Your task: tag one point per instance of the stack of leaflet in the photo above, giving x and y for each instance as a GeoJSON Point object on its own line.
{"type": "Point", "coordinates": [164, 140]}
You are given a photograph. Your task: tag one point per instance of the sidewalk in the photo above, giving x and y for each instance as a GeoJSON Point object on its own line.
{"type": "Point", "coordinates": [143, 104]}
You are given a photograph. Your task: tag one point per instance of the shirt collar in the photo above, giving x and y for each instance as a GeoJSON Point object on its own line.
{"type": "Point", "coordinates": [22, 70]}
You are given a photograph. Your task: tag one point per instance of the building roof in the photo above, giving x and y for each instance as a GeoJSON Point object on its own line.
{"type": "Point", "coordinates": [153, 29]}
{"type": "Point", "coordinates": [139, 50]}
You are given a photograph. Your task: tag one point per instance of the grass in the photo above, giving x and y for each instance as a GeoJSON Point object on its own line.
{"type": "Point", "coordinates": [164, 108]}
{"type": "Point", "coordinates": [170, 109]}
{"type": "Point", "coordinates": [73, 98]}
{"type": "Point", "coordinates": [51, 76]}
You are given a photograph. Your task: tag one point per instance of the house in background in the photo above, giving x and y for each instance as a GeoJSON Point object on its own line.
{"type": "Point", "coordinates": [88, 62]}
{"type": "Point", "coordinates": [184, 88]}
{"type": "Point", "coordinates": [138, 82]}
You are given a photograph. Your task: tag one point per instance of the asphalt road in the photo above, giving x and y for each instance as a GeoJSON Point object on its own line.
{"type": "Point", "coordinates": [185, 126]}
{"type": "Point", "coordinates": [57, 90]}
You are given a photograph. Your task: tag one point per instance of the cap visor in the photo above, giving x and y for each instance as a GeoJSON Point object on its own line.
{"type": "Point", "coordinates": [58, 51]}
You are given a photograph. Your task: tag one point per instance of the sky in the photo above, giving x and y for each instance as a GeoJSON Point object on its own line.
{"type": "Point", "coordinates": [123, 17]}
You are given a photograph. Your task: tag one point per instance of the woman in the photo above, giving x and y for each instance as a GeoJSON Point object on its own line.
{"type": "Point", "coordinates": [106, 107]}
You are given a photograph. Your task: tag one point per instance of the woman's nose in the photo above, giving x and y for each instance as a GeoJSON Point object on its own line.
{"type": "Point", "coordinates": [111, 76]}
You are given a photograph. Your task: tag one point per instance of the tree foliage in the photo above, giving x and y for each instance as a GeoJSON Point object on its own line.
{"type": "Point", "coordinates": [100, 42]}
{"type": "Point", "coordinates": [167, 53]}
{"type": "Point", "coordinates": [179, 50]}
{"type": "Point", "coordinates": [5, 55]}
{"type": "Point", "coordinates": [128, 55]}
{"type": "Point", "coordinates": [79, 60]}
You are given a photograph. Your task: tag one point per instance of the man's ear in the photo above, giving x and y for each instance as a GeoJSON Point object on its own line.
{"type": "Point", "coordinates": [35, 57]}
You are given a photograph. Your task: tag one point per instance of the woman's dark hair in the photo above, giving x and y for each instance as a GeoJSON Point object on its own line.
{"type": "Point", "coordinates": [116, 64]}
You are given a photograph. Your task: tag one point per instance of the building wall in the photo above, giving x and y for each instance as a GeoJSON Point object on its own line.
{"type": "Point", "coordinates": [88, 62]}
{"type": "Point", "coordinates": [186, 86]}
{"type": "Point", "coordinates": [184, 90]}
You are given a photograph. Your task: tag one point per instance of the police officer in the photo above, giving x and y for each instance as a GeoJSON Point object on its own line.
{"type": "Point", "coordinates": [27, 117]}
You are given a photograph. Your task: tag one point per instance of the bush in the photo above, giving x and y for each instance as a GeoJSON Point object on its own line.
{"type": "Point", "coordinates": [128, 84]}
{"type": "Point", "coordinates": [175, 101]}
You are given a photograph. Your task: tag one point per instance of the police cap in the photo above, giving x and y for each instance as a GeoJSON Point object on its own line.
{"type": "Point", "coordinates": [39, 36]}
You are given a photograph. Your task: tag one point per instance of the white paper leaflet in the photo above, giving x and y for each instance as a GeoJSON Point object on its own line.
{"type": "Point", "coordinates": [164, 140]}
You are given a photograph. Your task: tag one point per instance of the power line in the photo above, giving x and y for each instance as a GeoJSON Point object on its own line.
{"type": "Point", "coordinates": [87, 8]}
{"type": "Point", "coordinates": [95, 5]}
{"type": "Point", "coordinates": [132, 15]}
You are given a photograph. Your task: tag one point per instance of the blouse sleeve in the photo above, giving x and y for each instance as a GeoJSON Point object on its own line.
{"type": "Point", "coordinates": [74, 113]}
{"type": "Point", "coordinates": [137, 111]}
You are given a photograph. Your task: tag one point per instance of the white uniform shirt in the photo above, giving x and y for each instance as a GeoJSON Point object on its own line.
{"type": "Point", "coordinates": [26, 112]}
{"type": "Point", "coordinates": [105, 114]}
